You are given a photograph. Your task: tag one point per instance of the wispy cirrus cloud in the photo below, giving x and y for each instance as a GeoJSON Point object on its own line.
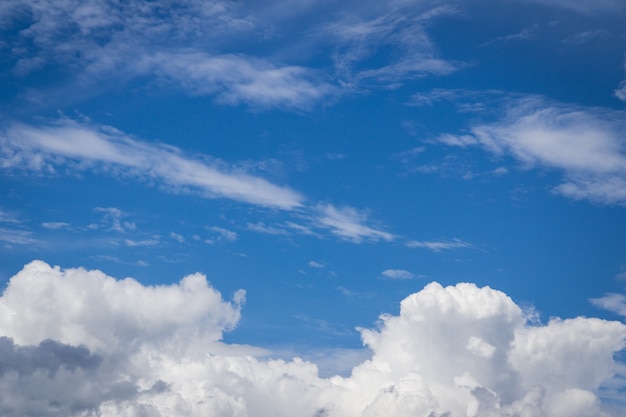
{"type": "Point", "coordinates": [349, 224]}
{"type": "Point", "coordinates": [12, 236]}
{"type": "Point", "coordinates": [438, 245]}
{"type": "Point", "coordinates": [45, 147]}
{"type": "Point", "coordinates": [586, 144]}
{"type": "Point", "coordinates": [95, 41]}
{"type": "Point", "coordinates": [400, 26]}
{"type": "Point", "coordinates": [620, 92]}
{"type": "Point", "coordinates": [69, 145]}
{"type": "Point", "coordinates": [396, 274]}
{"type": "Point", "coordinates": [583, 6]}
{"type": "Point", "coordinates": [236, 79]}
{"type": "Point", "coordinates": [613, 302]}
{"type": "Point", "coordinates": [56, 225]}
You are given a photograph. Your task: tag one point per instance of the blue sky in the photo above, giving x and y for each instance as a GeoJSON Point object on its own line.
{"type": "Point", "coordinates": [329, 158]}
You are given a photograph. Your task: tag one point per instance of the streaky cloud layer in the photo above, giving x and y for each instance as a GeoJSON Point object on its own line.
{"type": "Point", "coordinates": [119, 348]}
{"type": "Point", "coordinates": [585, 144]}
{"type": "Point", "coordinates": [46, 147]}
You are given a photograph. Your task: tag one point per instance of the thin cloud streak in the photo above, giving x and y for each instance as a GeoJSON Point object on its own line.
{"type": "Point", "coordinates": [396, 274]}
{"type": "Point", "coordinates": [349, 224]}
{"type": "Point", "coordinates": [439, 245]}
{"type": "Point", "coordinates": [45, 147]}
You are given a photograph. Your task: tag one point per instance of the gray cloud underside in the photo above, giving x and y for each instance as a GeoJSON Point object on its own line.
{"type": "Point", "coordinates": [80, 343]}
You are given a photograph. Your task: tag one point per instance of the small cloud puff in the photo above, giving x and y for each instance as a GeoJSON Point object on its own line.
{"type": "Point", "coordinates": [396, 274]}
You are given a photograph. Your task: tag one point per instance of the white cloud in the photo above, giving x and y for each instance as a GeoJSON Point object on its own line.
{"type": "Point", "coordinates": [263, 228]}
{"type": "Point", "coordinates": [107, 314]}
{"type": "Point", "coordinates": [396, 274]}
{"type": "Point", "coordinates": [45, 147]}
{"type": "Point", "coordinates": [79, 343]}
{"type": "Point", "coordinates": [584, 6]}
{"type": "Point", "coordinates": [8, 218]}
{"type": "Point", "coordinates": [620, 92]}
{"type": "Point", "coordinates": [112, 219]}
{"type": "Point", "coordinates": [349, 224]}
{"type": "Point", "coordinates": [177, 237]}
{"type": "Point", "coordinates": [612, 302]}
{"type": "Point", "coordinates": [586, 145]}
{"type": "Point", "coordinates": [399, 26]}
{"type": "Point", "coordinates": [238, 79]}
{"type": "Point", "coordinates": [17, 237]}
{"type": "Point", "coordinates": [314, 264]}
{"type": "Point", "coordinates": [55, 225]}
{"type": "Point", "coordinates": [223, 234]}
{"type": "Point", "coordinates": [137, 39]}
{"type": "Point", "coordinates": [155, 241]}
{"type": "Point", "coordinates": [439, 245]}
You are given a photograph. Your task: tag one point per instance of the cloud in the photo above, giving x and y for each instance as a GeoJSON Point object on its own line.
{"type": "Point", "coordinates": [47, 147]}
{"type": "Point", "coordinates": [95, 41]}
{"type": "Point", "coordinates": [55, 225]}
{"type": "Point", "coordinates": [587, 145]}
{"type": "Point", "coordinates": [439, 245]}
{"type": "Point", "coordinates": [8, 218]}
{"type": "Point", "coordinates": [196, 47]}
{"type": "Point", "coordinates": [314, 264]}
{"type": "Point", "coordinates": [263, 228]}
{"type": "Point", "coordinates": [615, 303]}
{"type": "Point", "coordinates": [78, 342]}
{"type": "Point", "coordinates": [238, 79]}
{"type": "Point", "coordinates": [17, 237]}
{"type": "Point", "coordinates": [620, 92]}
{"type": "Point", "coordinates": [177, 237]}
{"type": "Point", "coordinates": [396, 274]}
{"type": "Point", "coordinates": [349, 224]}
{"type": "Point", "coordinates": [223, 234]}
{"type": "Point", "coordinates": [399, 27]}
{"type": "Point", "coordinates": [522, 35]}
{"type": "Point", "coordinates": [112, 219]}
{"type": "Point", "coordinates": [155, 241]}
{"type": "Point", "coordinates": [584, 6]}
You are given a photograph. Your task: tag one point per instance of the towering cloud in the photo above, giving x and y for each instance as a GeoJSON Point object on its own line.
{"type": "Point", "coordinates": [79, 343]}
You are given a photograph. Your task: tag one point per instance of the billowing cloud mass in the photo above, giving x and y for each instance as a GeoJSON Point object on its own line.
{"type": "Point", "coordinates": [587, 145]}
{"type": "Point", "coordinates": [80, 343]}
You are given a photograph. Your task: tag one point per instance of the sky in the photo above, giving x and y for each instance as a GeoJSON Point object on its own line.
{"type": "Point", "coordinates": [313, 208]}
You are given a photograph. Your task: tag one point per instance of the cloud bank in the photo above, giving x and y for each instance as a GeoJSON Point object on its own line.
{"type": "Point", "coordinates": [80, 343]}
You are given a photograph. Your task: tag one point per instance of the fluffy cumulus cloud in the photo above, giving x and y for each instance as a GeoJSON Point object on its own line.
{"type": "Point", "coordinates": [79, 343]}
{"type": "Point", "coordinates": [587, 145]}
